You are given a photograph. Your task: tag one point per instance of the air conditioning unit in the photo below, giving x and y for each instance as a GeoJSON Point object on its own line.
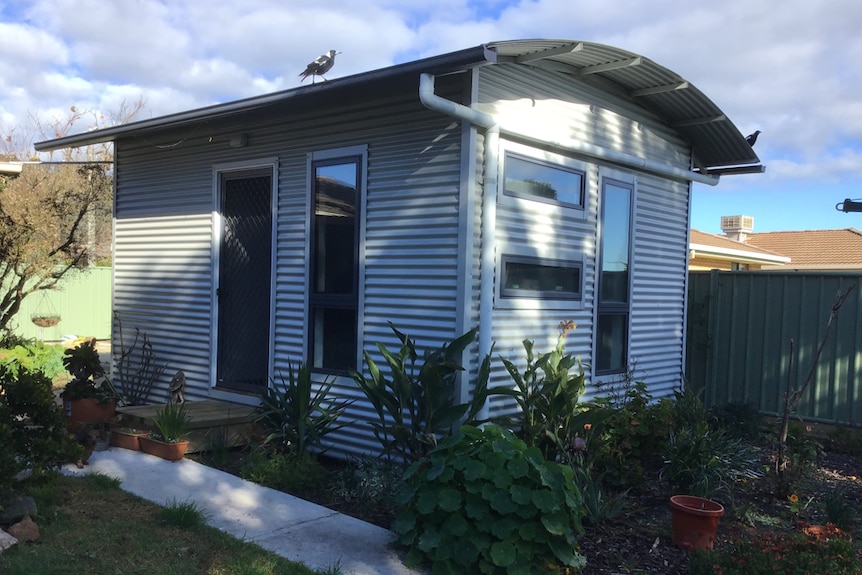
{"type": "Point", "coordinates": [737, 223]}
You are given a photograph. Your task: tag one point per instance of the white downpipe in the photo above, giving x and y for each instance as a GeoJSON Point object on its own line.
{"type": "Point", "coordinates": [489, 203]}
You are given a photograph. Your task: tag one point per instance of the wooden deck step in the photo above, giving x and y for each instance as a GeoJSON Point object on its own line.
{"type": "Point", "coordinates": [213, 423]}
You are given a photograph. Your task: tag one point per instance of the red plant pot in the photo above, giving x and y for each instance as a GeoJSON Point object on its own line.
{"type": "Point", "coordinates": [81, 411]}
{"type": "Point", "coordinates": [169, 451]}
{"type": "Point", "coordinates": [694, 521]}
{"type": "Point", "coordinates": [127, 439]}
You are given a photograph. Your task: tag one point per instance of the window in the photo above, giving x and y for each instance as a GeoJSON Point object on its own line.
{"type": "Point", "coordinates": [334, 263]}
{"type": "Point", "coordinates": [542, 181]}
{"type": "Point", "coordinates": [537, 278]}
{"type": "Point", "coordinates": [614, 270]}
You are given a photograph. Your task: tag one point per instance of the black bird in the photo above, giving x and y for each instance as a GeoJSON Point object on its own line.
{"type": "Point", "coordinates": [752, 138]}
{"type": "Point", "coordinates": [321, 66]}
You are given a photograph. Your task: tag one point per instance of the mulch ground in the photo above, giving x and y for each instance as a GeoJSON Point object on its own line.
{"type": "Point", "coordinates": [639, 540]}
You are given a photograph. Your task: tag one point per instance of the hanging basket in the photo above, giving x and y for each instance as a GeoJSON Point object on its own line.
{"type": "Point", "coordinates": [45, 320]}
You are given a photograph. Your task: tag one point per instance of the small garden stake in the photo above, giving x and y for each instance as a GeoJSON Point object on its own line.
{"type": "Point", "coordinates": [792, 398]}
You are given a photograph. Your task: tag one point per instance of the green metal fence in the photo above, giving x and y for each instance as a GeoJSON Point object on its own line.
{"type": "Point", "coordinates": [83, 303]}
{"type": "Point", "coordinates": [738, 341]}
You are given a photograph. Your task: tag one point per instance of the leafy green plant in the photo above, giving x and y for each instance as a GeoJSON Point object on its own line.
{"type": "Point", "coordinates": [292, 472]}
{"type": "Point", "coordinates": [297, 416]}
{"type": "Point", "coordinates": [740, 419]}
{"type": "Point", "coordinates": [838, 510]}
{"type": "Point", "coordinates": [485, 502]}
{"type": "Point", "coordinates": [172, 422]}
{"type": "Point", "coordinates": [701, 461]}
{"type": "Point", "coordinates": [415, 403]}
{"type": "Point", "coordinates": [629, 441]}
{"type": "Point", "coordinates": [779, 553]}
{"type": "Point", "coordinates": [88, 375]}
{"type": "Point", "coordinates": [547, 394]}
{"type": "Point", "coordinates": [32, 426]}
{"type": "Point", "coordinates": [846, 439]}
{"type": "Point", "coordinates": [369, 482]}
{"type": "Point", "coordinates": [33, 355]}
{"type": "Point", "coordinates": [599, 507]}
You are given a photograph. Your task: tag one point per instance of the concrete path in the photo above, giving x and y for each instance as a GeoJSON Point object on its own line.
{"type": "Point", "coordinates": [289, 526]}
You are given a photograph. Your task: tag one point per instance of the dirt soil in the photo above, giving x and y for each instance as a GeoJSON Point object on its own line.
{"type": "Point", "coordinates": [639, 540]}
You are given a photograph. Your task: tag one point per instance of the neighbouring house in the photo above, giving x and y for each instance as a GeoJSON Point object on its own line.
{"type": "Point", "coordinates": [716, 252]}
{"type": "Point", "coordinates": [507, 187]}
{"type": "Point", "coordinates": [814, 250]}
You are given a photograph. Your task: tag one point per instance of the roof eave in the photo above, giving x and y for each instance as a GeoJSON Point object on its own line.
{"type": "Point", "coordinates": [446, 63]}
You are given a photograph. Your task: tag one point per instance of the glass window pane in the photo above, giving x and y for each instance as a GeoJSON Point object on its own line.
{"type": "Point", "coordinates": [334, 339]}
{"type": "Point", "coordinates": [615, 244]}
{"type": "Point", "coordinates": [335, 228]}
{"type": "Point", "coordinates": [611, 343]}
{"type": "Point", "coordinates": [542, 181]}
{"type": "Point", "coordinates": [524, 278]}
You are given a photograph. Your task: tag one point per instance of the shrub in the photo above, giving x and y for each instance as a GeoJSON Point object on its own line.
{"type": "Point", "coordinates": [629, 441]}
{"type": "Point", "coordinates": [416, 404]}
{"type": "Point", "coordinates": [33, 355]}
{"type": "Point", "coordinates": [740, 419]}
{"type": "Point", "coordinates": [547, 395]}
{"type": "Point", "coordinates": [32, 426]}
{"type": "Point", "coordinates": [701, 461]}
{"type": "Point", "coordinates": [485, 502]}
{"type": "Point", "coordinates": [297, 416]}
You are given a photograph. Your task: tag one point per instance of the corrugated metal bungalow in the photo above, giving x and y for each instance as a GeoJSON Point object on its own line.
{"type": "Point", "coordinates": [508, 186]}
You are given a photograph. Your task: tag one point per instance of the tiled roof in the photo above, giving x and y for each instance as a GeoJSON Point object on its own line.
{"type": "Point", "coordinates": [814, 249]}
{"type": "Point", "coordinates": [711, 244]}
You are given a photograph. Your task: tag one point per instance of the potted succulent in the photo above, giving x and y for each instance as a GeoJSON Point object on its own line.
{"type": "Point", "coordinates": [172, 425]}
{"type": "Point", "coordinates": [89, 397]}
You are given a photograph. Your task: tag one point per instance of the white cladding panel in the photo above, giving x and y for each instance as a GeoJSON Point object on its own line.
{"type": "Point", "coordinates": [554, 107]}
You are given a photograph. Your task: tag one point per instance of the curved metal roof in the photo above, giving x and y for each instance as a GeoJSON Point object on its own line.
{"type": "Point", "coordinates": [715, 140]}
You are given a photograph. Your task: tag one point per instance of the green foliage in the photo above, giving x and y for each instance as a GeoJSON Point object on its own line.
{"type": "Point", "coordinates": [415, 403]}
{"type": "Point", "coordinates": [369, 483]}
{"type": "Point", "coordinates": [702, 461]}
{"type": "Point", "coordinates": [629, 441]}
{"type": "Point", "coordinates": [33, 355]}
{"type": "Point", "coordinates": [598, 505]}
{"type": "Point", "coordinates": [800, 454]}
{"type": "Point", "coordinates": [291, 472]}
{"type": "Point", "coordinates": [88, 375]}
{"type": "Point", "coordinates": [740, 419]}
{"type": "Point", "coordinates": [485, 502]}
{"type": "Point", "coordinates": [172, 422]}
{"type": "Point", "coordinates": [183, 514]}
{"type": "Point", "coordinates": [547, 395]}
{"type": "Point", "coordinates": [839, 510]}
{"type": "Point", "coordinates": [102, 482]}
{"type": "Point", "coordinates": [32, 426]}
{"type": "Point", "coordinates": [297, 416]}
{"type": "Point", "coordinates": [781, 553]}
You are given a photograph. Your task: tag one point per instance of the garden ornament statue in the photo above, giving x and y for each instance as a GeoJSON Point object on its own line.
{"type": "Point", "coordinates": [178, 384]}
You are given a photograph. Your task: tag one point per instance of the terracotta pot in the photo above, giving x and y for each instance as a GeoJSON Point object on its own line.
{"type": "Point", "coordinates": [81, 411]}
{"type": "Point", "coordinates": [127, 439]}
{"type": "Point", "coordinates": [169, 451]}
{"type": "Point", "coordinates": [695, 521]}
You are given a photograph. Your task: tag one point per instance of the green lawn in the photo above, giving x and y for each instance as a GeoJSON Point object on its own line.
{"type": "Point", "coordinates": [89, 525]}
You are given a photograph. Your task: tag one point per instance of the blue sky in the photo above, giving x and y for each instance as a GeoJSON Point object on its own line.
{"type": "Point", "coordinates": [790, 68]}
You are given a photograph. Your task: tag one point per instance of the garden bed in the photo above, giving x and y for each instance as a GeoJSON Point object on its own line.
{"type": "Point", "coordinates": [639, 540]}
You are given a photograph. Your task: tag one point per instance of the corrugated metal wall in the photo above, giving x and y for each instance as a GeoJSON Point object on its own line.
{"type": "Point", "coordinates": [739, 328]}
{"type": "Point", "coordinates": [554, 107]}
{"type": "Point", "coordinates": [164, 231]}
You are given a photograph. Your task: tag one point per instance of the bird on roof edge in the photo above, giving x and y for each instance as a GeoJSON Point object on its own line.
{"type": "Point", "coordinates": [320, 66]}
{"type": "Point", "coordinates": [752, 138]}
